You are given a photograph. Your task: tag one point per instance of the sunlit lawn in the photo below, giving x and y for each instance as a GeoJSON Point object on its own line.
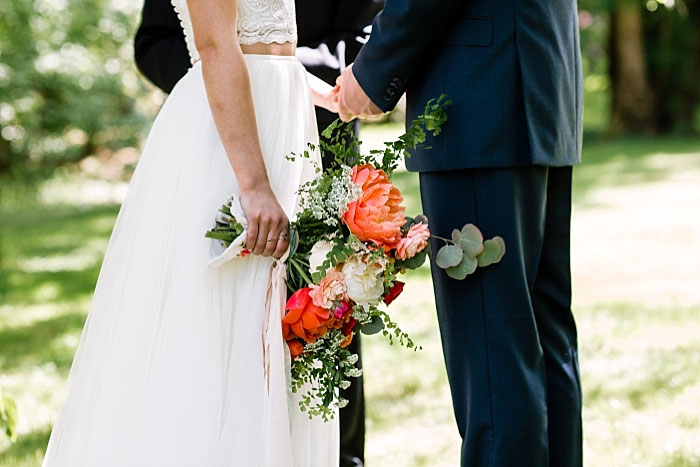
{"type": "Point", "coordinates": [635, 255]}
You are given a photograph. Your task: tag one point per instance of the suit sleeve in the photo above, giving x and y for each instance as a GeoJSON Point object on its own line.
{"type": "Point", "coordinates": [160, 50]}
{"type": "Point", "coordinates": [402, 33]}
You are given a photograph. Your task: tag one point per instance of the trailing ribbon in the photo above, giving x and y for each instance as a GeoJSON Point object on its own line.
{"type": "Point", "coordinates": [277, 450]}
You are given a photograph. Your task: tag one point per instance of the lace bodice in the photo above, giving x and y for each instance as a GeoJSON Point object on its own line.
{"type": "Point", "coordinates": [265, 21]}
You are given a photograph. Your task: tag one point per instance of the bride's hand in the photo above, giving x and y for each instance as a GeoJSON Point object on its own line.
{"type": "Point", "coordinates": [329, 100]}
{"type": "Point", "coordinates": [323, 94]}
{"type": "Point", "coordinates": [268, 226]}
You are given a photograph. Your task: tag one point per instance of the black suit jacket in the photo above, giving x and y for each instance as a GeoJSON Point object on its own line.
{"type": "Point", "coordinates": [512, 69]}
{"type": "Point", "coordinates": [328, 38]}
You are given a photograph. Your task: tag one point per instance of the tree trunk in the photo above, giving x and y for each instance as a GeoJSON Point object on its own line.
{"type": "Point", "coordinates": [632, 100]}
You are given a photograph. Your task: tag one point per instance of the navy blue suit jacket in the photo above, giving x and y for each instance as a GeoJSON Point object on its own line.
{"type": "Point", "coordinates": [512, 69]}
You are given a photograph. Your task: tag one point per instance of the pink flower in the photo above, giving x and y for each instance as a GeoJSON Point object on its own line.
{"type": "Point", "coordinates": [414, 242]}
{"type": "Point", "coordinates": [330, 289]}
{"type": "Point", "coordinates": [341, 310]}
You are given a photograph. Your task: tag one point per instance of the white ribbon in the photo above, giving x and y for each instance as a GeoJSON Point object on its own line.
{"type": "Point", "coordinates": [276, 365]}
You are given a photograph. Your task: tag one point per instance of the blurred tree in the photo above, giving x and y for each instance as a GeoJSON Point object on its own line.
{"type": "Point", "coordinates": [67, 83]}
{"type": "Point", "coordinates": [653, 61]}
{"type": "Point", "coordinates": [632, 100]}
{"type": "Point", "coordinates": [672, 29]}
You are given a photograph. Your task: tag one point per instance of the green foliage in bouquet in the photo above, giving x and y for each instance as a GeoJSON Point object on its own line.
{"type": "Point", "coordinates": [226, 227]}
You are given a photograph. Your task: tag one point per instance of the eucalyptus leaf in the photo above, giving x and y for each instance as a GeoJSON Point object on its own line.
{"type": "Point", "coordinates": [449, 256]}
{"type": "Point", "coordinates": [494, 249]}
{"type": "Point", "coordinates": [456, 236]}
{"type": "Point", "coordinates": [463, 269]}
{"type": "Point", "coordinates": [472, 241]}
{"type": "Point", "coordinates": [373, 327]}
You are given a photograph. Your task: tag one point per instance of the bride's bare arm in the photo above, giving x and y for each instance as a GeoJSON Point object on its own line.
{"type": "Point", "coordinates": [323, 94]}
{"type": "Point", "coordinates": [228, 90]}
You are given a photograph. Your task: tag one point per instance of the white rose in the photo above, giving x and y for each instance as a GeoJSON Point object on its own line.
{"type": "Point", "coordinates": [364, 282]}
{"type": "Point", "coordinates": [319, 254]}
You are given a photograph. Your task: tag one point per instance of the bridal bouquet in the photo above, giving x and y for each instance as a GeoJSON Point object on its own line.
{"type": "Point", "coordinates": [350, 243]}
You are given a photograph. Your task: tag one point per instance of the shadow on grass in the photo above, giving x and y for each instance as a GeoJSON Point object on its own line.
{"type": "Point", "coordinates": [51, 260]}
{"type": "Point", "coordinates": [28, 450]}
{"type": "Point", "coordinates": [667, 373]}
{"type": "Point", "coordinates": [681, 459]}
{"type": "Point", "coordinates": [630, 161]}
{"type": "Point", "coordinates": [44, 234]}
{"type": "Point", "coordinates": [41, 342]}
{"type": "Point", "coordinates": [63, 286]}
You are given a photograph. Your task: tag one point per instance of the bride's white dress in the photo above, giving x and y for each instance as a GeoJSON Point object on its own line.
{"type": "Point", "coordinates": [170, 367]}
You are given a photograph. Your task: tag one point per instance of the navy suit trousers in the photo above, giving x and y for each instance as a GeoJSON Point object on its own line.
{"type": "Point", "coordinates": [508, 333]}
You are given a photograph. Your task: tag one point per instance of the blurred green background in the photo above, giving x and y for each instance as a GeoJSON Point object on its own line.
{"type": "Point", "coordinates": [74, 112]}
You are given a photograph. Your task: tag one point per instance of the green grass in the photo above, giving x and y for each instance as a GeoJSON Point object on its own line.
{"type": "Point", "coordinates": [639, 361]}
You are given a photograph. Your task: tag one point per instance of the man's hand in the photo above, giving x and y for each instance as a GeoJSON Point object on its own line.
{"type": "Point", "coordinates": [352, 100]}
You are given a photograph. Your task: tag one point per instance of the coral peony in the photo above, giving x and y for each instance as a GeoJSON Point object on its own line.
{"type": "Point", "coordinates": [394, 292]}
{"type": "Point", "coordinates": [377, 215]}
{"type": "Point", "coordinates": [304, 319]}
{"type": "Point", "coordinates": [414, 242]}
{"type": "Point", "coordinates": [295, 348]}
{"type": "Point", "coordinates": [331, 289]}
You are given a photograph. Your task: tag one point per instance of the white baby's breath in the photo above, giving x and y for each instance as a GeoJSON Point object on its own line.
{"type": "Point", "coordinates": [331, 206]}
{"type": "Point", "coordinates": [353, 372]}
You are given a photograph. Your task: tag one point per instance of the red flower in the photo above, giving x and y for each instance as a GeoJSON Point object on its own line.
{"type": "Point", "coordinates": [349, 326]}
{"type": "Point", "coordinates": [304, 319]}
{"type": "Point", "coordinates": [394, 292]}
{"type": "Point", "coordinates": [347, 332]}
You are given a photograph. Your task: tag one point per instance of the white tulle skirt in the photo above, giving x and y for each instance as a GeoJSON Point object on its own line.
{"type": "Point", "coordinates": [169, 371]}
